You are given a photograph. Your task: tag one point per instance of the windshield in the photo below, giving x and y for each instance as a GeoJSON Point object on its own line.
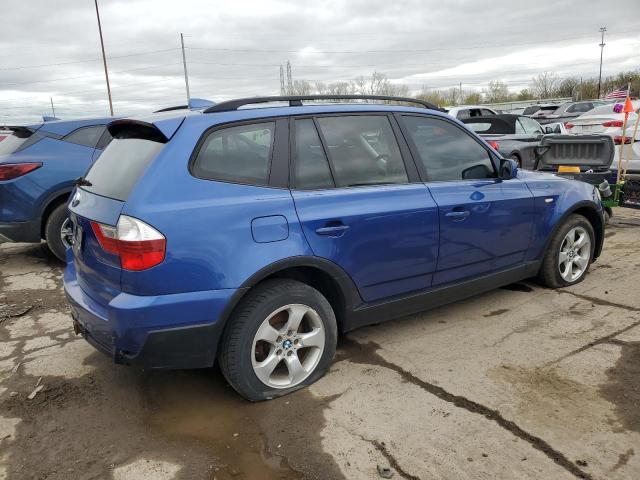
{"type": "Point", "coordinates": [120, 166]}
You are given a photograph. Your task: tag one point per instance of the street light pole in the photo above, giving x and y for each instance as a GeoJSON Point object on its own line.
{"type": "Point", "coordinates": [602, 30]}
{"type": "Point", "coordinates": [186, 76]}
{"type": "Point", "coordinates": [104, 59]}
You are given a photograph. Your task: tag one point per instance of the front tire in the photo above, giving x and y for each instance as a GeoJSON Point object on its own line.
{"type": "Point", "coordinates": [282, 337]}
{"type": "Point", "coordinates": [569, 254]}
{"type": "Point", "coordinates": [57, 231]}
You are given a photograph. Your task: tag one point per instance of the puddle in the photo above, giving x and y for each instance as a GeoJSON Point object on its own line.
{"type": "Point", "coordinates": [623, 387]}
{"type": "Point", "coordinates": [199, 405]}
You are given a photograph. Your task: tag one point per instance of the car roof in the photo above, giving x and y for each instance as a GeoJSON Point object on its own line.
{"type": "Point", "coordinates": [501, 123]}
{"type": "Point", "coordinates": [63, 127]}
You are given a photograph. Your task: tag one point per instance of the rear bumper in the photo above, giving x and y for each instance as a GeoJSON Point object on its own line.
{"type": "Point", "coordinates": [28, 232]}
{"type": "Point", "coordinates": [167, 331]}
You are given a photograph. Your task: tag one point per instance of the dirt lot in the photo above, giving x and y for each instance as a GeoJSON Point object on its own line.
{"type": "Point", "coordinates": [520, 383]}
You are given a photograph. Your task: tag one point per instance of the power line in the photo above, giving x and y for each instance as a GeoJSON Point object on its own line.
{"type": "Point", "coordinates": [22, 67]}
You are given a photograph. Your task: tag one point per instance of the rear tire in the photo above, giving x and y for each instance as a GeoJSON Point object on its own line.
{"type": "Point", "coordinates": [281, 337]}
{"type": "Point", "coordinates": [568, 257]}
{"type": "Point", "coordinates": [53, 231]}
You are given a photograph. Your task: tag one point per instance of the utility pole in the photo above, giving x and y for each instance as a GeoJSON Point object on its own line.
{"type": "Point", "coordinates": [602, 30]}
{"type": "Point", "coordinates": [186, 76]}
{"type": "Point", "coordinates": [104, 59]}
{"type": "Point", "coordinates": [53, 110]}
{"type": "Point", "coordinates": [282, 90]}
{"type": "Point", "coordinates": [289, 79]}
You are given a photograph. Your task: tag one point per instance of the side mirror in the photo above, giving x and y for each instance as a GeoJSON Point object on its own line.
{"type": "Point", "coordinates": [508, 169]}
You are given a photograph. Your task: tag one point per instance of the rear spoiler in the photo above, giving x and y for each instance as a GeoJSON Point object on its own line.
{"type": "Point", "coordinates": [127, 128]}
{"type": "Point", "coordinates": [21, 132]}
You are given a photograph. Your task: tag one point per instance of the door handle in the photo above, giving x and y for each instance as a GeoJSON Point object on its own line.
{"type": "Point", "coordinates": [332, 231]}
{"type": "Point", "coordinates": [458, 215]}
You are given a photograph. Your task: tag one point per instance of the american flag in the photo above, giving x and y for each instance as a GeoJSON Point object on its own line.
{"type": "Point", "coordinates": [619, 93]}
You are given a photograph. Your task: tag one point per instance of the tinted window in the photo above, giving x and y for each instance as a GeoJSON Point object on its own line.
{"type": "Point", "coordinates": [531, 127]}
{"type": "Point", "coordinates": [239, 154]}
{"type": "Point", "coordinates": [105, 139]}
{"type": "Point", "coordinates": [580, 107]}
{"type": "Point", "coordinates": [466, 113]}
{"type": "Point", "coordinates": [311, 165]}
{"type": "Point", "coordinates": [17, 141]}
{"type": "Point", "coordinates": [363, 150]}
{"type": "Point", "coordinates": [531, 110]}
{"type": "Point", "coordinates": [87, 136]}
{"type": "Point", "coordinates": [486, 112]}
{"type": "Point", "coordinates": [447, 152]}
{"type": "Point", "coordinates": [120, 166]}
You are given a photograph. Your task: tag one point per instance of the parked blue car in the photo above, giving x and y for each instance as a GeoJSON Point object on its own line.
{"type": "Point", "coordinates": [257, 235]}
{"type": "Point", "coordinates": [38, 165]}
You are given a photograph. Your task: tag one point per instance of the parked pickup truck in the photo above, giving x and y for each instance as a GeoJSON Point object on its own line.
{"type": "Point", "coordinates": [514, 136]}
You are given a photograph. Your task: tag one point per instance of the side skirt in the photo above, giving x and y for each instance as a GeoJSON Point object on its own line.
{"type": "Point", "coordinates": [371, 313]}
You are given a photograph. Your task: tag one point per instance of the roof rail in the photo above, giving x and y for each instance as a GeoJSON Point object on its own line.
{"type": "Point", "coordinates": [171, 109]}
{"type": "Point", "coordinates": [296, 101]}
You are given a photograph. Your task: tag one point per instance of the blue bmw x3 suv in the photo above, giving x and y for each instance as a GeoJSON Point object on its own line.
{"type": "Point", "coordinates": [257, 235]}
{"type": "Point", "coordinates": [38, 165]}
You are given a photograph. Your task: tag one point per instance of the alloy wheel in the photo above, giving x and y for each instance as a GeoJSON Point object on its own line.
{"type": "Point", "coordinates": [288, 346]}
{"type": "Point", "coordinates": [575, 252]}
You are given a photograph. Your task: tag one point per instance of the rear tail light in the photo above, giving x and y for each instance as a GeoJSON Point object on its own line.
{"type": "Point", "coordinates": [612, 123]}
{"type": "Point", "coordinates": [618, 139]}
{"type": "Point", "coordinates": [138, 245]}
{"type": "Point", "coordinates": [494, 144]}
{"type": "Point", "coordinates": [9, 171]}
{"type": "Point", "coordinates": [569, 125]}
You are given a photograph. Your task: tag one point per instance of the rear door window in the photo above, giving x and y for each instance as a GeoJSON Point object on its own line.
{"type": "Point", "coordinates": [122, 163]}
{"type": "Point", "coordinates": [447, 152]}
{"type": "Point", "coordinates": [239, 154]}
{"type": "Point", "coordinates": [363, 150]}
{"type": "Point", "coordinates": [311, 167]}
{"type": "Point", "coordinates": [87, 136]}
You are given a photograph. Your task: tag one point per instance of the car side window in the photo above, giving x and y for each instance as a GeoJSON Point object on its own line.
{"type": "Point", "coordinates": [531, 127]}
{"type": "Point", "coordinates": [486, 112]}
{"type": "Point", "coordinates": [311, 169]}
{"type": "Point", "coordinates": [447, 152]}
{"type": "Point", "coordinates": [464, 113]}
{"type": "Point", "coordinates": [519, 128]}
{"type": "Point", "coordinates": [87, 136]}
{"type": "Point", "coordinates": [363, 150]}
{"type": "Point", "coordinates": [240, 154]}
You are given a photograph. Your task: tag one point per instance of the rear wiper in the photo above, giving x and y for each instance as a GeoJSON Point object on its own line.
{"type": "Point", "coordinates": [82, 182]}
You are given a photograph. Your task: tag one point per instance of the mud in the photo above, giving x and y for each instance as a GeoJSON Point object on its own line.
{"type": "Point", "coordinates": [623, 387]}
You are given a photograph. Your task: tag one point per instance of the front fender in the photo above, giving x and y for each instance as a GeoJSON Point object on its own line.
{"type": "Point", "coordinates": [556, 198]}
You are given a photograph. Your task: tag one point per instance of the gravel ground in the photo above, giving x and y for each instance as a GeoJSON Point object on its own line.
{"type": "Point", "coordinates": [519, 383]}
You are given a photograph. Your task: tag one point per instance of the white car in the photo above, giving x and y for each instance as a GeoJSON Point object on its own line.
{"type": "Point", "coordinates": [605, 120]}
{"type": "Point", "coordinates": [469, 111]}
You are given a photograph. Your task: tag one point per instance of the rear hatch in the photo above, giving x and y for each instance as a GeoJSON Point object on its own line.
{"type": "Point", "coordinates": [99, 199]}
{"type": "Point", "coordinates": [585, 151]}
{"type": "Point", "coordinates": [15, 139]}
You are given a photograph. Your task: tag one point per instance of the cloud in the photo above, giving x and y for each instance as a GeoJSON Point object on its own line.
{"type": "Point", "coordinates": [51, 49]}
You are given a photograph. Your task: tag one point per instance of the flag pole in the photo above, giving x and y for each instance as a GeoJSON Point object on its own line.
{"type": "Point", "coordinates": [627, 109]}
{"type": "Point", "coordinates": [633, 138]}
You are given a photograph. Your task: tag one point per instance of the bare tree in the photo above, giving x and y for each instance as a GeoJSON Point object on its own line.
{"type": "Point", "coordinates": [545, 84]}
{"type": "Point", "coordinates": [496, 92]}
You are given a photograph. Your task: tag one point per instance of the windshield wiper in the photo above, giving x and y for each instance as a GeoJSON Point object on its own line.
{"type": "Point", "coordinates": [82, 182]}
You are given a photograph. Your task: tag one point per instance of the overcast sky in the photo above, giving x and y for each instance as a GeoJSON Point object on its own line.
{"type": "Point", "coordinates": [234, 48]}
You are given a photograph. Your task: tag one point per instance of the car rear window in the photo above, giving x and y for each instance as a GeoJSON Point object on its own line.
{"type": "Point", "coordinates": [122, 163]}
{"type": "Point", "coordinates": [17, 140]}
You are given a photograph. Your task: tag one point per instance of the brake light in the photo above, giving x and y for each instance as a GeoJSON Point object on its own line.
{"type": "Point", "coordinates": [139, 246]}
{"type": "Point", "coordinates": [612, 123]}
{"type": "Point", "coordinates": [618, 139]}
{"type": "Point", "coordinates": [494, 144]}
{"type": "Point", "coordinates": [9, 171]}
{"type": "Point", "coordinates": [568, 125]}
